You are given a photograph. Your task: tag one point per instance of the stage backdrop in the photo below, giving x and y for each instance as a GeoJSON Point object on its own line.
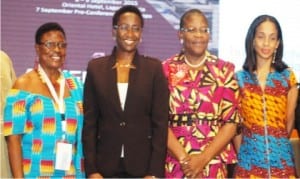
{"type": "Point", "coordinates": [88, 25]}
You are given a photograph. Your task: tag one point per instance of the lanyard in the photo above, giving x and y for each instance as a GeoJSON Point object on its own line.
{"type": "Point", "coordinates": [58, 100]}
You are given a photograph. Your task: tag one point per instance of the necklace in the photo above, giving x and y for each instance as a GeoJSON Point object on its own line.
{"type": "Point", "coordinates": [194, 66]}
{"type": "Point", "coordinates": [58, 98]}
{"type": "Point", "coordinates": [127, 65]}
{"type": "Point", "coordinates": [40, 71]}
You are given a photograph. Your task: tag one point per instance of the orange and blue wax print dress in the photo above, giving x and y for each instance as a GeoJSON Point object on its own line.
{"type": "Point", "coordinates": [265, 151]}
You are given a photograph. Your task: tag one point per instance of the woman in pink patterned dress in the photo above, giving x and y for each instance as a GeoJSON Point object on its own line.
{"type": "Point", "coordinates": [203, 105]}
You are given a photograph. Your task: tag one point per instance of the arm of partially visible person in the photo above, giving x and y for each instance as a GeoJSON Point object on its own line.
{"type": "Point", "coordinates": [8, 76]}
{"type": "Point", "coordinates": [159, 115]}
{"type": "Point", "coordinates": [291, 102]}
{"type": "Point", "coordinates": [291, 107]}
{"type": "Point", "coordinates": [89, 132]}
{"type": "Point", "coordinates": [15, 155]}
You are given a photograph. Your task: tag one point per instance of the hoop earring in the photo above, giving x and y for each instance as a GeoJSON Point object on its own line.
{"type": "Point", "coordinates": [274, 56]}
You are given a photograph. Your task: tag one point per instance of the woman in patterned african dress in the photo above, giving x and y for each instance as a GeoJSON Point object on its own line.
{"type": "Point", "coordinates": [268, 100]}
{"type": "Point", "coordinates": [203, 105]}
{"type": "Point", "coordinates": [43, 116]}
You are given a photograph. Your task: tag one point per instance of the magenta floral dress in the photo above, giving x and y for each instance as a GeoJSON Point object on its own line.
{"type": "Point", "coordinates": [201, 102]}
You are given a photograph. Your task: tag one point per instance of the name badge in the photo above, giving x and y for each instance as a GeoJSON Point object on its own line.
{"type": "Point", "coordinates": [63, 156]}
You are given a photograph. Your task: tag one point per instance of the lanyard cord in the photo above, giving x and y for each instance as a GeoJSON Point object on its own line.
{"type": "Point", "coordinates": [58, 100]}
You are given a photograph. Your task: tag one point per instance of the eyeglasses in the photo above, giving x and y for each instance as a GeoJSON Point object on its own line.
{"type": "Point", "coordinates": [126, 28]}
{"type": "Point", "coordinates": [53, 45]}
{"type": "Point", "coordinates": [194, 30]}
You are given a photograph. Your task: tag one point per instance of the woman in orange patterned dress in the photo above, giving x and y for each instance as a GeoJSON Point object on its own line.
{"type": "Point", "coordinates": [268, 100]}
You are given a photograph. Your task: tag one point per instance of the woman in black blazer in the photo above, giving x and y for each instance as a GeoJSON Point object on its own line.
{"type": "Point", "coordinates": [125, 107]}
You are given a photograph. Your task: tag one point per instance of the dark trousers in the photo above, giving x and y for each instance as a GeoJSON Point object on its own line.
{"type": "Point", "coordinates": [122, 173]}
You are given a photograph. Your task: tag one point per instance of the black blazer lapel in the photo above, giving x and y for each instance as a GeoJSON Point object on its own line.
{"type": "Point", "coordinates": [112, 82]}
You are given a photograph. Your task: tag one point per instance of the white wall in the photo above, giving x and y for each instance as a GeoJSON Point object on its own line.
{"type": "Point", "coordinates": [236, 16]}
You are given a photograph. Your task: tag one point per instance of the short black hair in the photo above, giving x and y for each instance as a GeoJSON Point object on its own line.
{"type": "Point", "coordinates": [124, 9]}
{"type": "Point", "coordinates": [49, 26]}
{"type": "Point", "coordinates": [188, 13]}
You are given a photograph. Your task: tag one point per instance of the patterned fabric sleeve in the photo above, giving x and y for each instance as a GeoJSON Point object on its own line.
{"type": "Point", "coordinates": [76, 89]}
{"type": "Point", "coordinates": [165, 65]}
{"type": "Point", "coordinates": [231, 95]}
{"type": "Point", "coordinates": [15, 115]}
{"type": "Point", "coordinates": [292, 78]}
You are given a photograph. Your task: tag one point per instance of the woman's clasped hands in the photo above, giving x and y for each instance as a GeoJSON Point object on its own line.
{"type": "Point", "coordinates": [192, 165]}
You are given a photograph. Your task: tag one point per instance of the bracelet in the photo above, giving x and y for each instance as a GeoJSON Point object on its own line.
{"type": "Point", "coordinates": [182, 160]}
